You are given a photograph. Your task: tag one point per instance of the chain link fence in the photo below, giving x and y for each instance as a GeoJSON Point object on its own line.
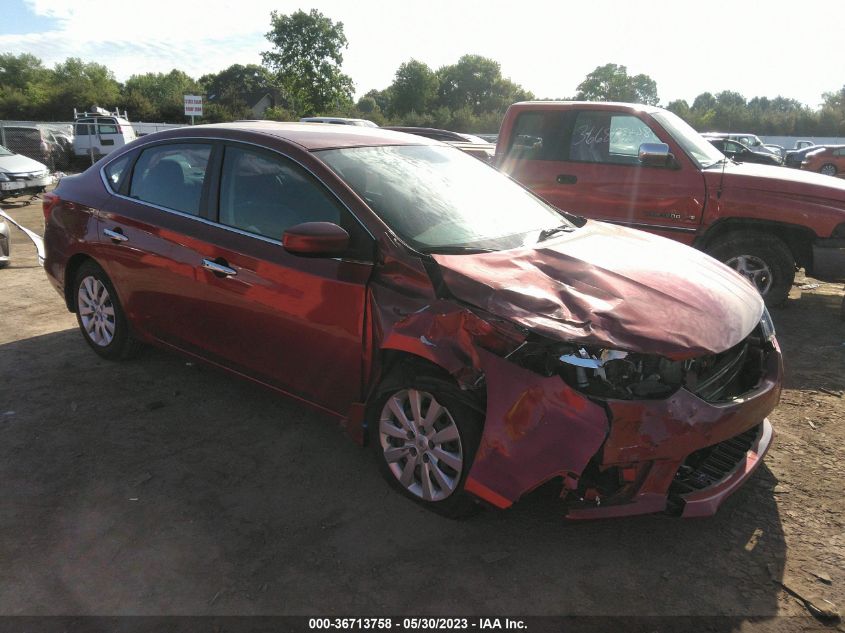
{"type": "Point", "coordinates": [47, 143]}
{"type": "Point", "coordinates": [51, 143]}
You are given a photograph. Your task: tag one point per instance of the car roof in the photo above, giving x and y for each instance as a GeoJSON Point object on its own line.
{"type": "Point", "coordinates": [308, 135]}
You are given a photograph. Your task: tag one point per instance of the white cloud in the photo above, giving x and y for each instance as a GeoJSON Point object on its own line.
{"type": "Point", "coordinates": [548, 47]}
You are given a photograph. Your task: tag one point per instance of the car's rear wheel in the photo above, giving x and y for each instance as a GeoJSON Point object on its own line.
{"type": "Point", "coordinates": [425, 439]}
{"type": "Point", "coordinates": [828, 170]}
{"type": "Point", "coordinates": [99, 314]}
{"type": "Point", "coordinates": [761, 258]}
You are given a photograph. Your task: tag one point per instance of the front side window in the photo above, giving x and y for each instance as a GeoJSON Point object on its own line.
{"type": "Point", "coordinates": [171, 176]}
{"type": "Point", "coordinates": [265, 194]}
{"type": "Point", "coordinates": [607, 137]}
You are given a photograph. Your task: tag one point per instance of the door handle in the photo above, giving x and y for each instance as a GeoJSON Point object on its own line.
{"type": "Point", "coordinates": [566, 179]}
{"type": "Point", "coordinates": [115, 235]}
{"type": "Point", "coordinates": [219, 267]}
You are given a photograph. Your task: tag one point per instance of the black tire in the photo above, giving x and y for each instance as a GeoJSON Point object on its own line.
{"type": "Point", "coordinates": [467, 419]}
{"type": "Point", "coordinates": [828, 169]}
{"type": "Point", "coordinates": [121, 345]}
{"type": "Point", "coordinates": [764, 247]}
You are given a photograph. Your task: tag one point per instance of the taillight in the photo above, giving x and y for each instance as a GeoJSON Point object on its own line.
{"type": "Point", "coordinates": [49, 202]}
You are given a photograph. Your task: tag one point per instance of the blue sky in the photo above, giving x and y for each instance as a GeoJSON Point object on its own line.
{"type": "Point", "coordinates": [758, 48]}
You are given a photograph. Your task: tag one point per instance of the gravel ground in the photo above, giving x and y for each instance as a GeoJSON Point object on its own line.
{"type": "Point", "coordinates": [160, 487]}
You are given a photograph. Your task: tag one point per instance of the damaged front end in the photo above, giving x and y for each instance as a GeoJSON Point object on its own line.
{"type": "Point", "coordinates": [627, 433]}
{"type": "Point", "coordinates": [639, 391]}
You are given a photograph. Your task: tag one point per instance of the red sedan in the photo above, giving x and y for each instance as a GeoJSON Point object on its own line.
{"type": "Point", "coordinates": [481, 341]}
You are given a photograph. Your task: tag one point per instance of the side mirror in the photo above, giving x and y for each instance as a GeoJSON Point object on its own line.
{"type": "Point", "coordinates": [315, 238]}
{"type": "Point", "coordinates": [656, 155]}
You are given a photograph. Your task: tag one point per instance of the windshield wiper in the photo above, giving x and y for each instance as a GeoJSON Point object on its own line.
{"type": "Point", "coordinates": [547, 233]}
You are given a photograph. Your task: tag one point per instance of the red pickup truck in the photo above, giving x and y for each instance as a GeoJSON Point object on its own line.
{"type": "Point", "coordinates": [644, 167]}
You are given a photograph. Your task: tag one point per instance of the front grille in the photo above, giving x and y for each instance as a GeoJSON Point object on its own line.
{"type": "Point", "coordinates": [708, 466]}
{"type": "Point", "coordinates": [734, 372]}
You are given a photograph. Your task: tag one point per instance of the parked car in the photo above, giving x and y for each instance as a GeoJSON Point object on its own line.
{"type": "Point", "coordinates": [337, 120]}
{"type": "Point", "coordinates": [777, 150]}
{"type": "Point", "coordinates": [794, 158]}
{"type": "Point", "coordinates": [829, 160]}
{"type": "Point", "coordinates": [644, 167]}
{"type": "Point", "coordinates": [32, 141]}
{"type": "Point", "coordinates": [5, 244]}
{"type": "Point", "coordinates": [20, 175]}
{"type": "Point", "coordinates": [742, 154]}
{"type": "Point", "coordinates": [100, 132]}
{"type": "Point", "coordinates": [472, 145]}
{"type": "Point", "coordinates": [480, 340]}
{"type": "Point", "coordinates": [751, 141]}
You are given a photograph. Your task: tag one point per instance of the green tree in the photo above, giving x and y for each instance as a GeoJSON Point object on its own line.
{"type": "Point", "coordinates": [476, 82]}
{"type": "Point", "coordinates": [78, 84]}
{"type": "Point", "coordinates": [414, 88]}
{"type": "Point", "coordinates": [611, 82]}
{"type": "Point", "coordinates": [164, 92]}
{"type": "Point", "coordinates": [232, 91]}
{"type": "Point", "coordinates": [306, 59]}
{"type": "Point", "coordinates": [24, 86]}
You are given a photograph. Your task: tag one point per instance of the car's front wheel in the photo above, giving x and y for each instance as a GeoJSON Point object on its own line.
{"type": "Point", "coordinates": [761, 258]}
{"type": "Point", "coordinates": [425, 437]}
{"type": "Point", "coordinates": [100, 315]}
{"type": "Point", "coordinates": [828, 170]}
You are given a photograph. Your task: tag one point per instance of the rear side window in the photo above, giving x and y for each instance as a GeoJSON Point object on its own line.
{"type": "Point", "coordinates": [265, 194]}
{"type": "Point", "coordinates": [540, 136]}
{"type": "Point", "coordinates": [171, 176]}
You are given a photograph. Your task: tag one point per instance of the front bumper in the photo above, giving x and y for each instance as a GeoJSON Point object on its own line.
{"type": "Point", "coordinates": [538, 428]}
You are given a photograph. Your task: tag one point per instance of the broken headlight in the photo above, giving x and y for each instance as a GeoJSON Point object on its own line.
{"type": "Point", "coordinates": [604, 373]}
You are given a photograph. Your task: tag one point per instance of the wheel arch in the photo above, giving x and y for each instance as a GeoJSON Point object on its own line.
{"type": "Point", "coordinates": [396, 359]}
{"type": "Point", "coordinates": [798, 239]}
{"type": "Point", "coordinates": [73, 265]}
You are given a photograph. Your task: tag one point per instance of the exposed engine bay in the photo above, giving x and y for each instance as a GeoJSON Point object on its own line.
{"type": "Point", "coordinates": [614, 374]}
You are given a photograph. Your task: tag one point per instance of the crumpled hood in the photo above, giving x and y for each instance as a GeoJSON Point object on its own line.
{"type": "Point", "coordinates": [17, 164]}
{"type": "Point", "coordinates": [612, 286]}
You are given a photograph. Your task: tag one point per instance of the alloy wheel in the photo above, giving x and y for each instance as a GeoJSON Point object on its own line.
{"type": "Point", "coordinates": [96, 311]}
{"type": "Point", "coordinates": [754, 269]}
{"type": "Point", "coordinates": [421, 444]}
{"type": "Point", "coordinates": [828, 170]}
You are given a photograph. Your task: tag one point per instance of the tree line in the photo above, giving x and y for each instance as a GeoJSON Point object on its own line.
{"type": "Point", "coordinates": [301, 75]}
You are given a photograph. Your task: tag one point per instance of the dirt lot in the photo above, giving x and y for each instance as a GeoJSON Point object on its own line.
{"type": "Point", "coordinates": [160, 487]}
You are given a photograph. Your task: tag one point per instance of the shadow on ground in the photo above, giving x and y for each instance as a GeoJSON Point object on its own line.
{"type": "Point", "coordinates": [160, 487]}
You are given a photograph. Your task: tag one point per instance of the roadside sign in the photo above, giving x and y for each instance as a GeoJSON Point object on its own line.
{"type": "Point", "coordinates": [193, 105]}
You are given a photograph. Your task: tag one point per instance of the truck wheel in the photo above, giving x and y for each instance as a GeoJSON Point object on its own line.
{"type": "Point", "coordinates": [828, 170]}
{"type": "Point", "coordinates": [425, 439]}
{"type": "Point", "coordinates": [761, 258]}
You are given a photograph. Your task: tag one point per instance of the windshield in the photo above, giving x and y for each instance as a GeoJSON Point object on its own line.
{"type": "Point", "coordinates": [439, 199]}
{"type": "Point", "coordinates": [697, 148]}
{"type": "Point", "coordinates": [5, 152]}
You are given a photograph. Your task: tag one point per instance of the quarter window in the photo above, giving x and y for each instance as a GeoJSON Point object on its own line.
{"type": "Point", "coordinates": [171, 176]}
{"type": "Point", "coordinates": [117, 171]}
{"type": "Point", "coordinates": [265, 194]}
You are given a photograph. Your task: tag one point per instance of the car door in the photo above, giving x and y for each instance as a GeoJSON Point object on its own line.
{"type": "Point", "coordinates": [151, 231]}
{"type": "Point", "coordinates": [290, 321]}
{"type": "Point", "coordinates": [586, 161]}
